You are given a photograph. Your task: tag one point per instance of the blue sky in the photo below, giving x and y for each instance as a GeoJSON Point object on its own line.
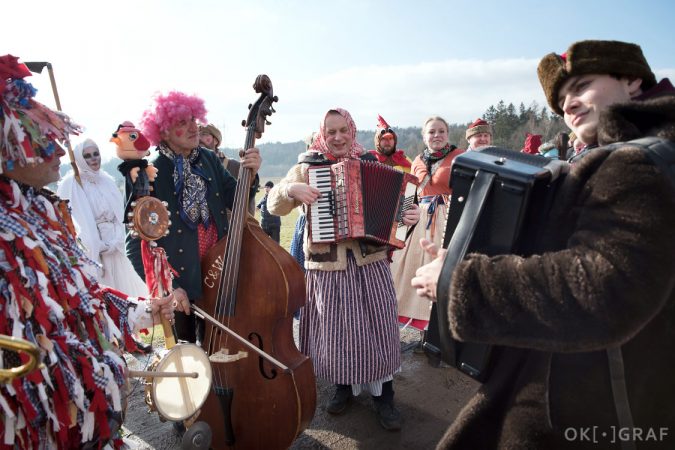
{"type": "Point", "coordinates": [405, 60]}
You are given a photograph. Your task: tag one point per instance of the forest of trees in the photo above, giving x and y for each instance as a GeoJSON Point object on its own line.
{"type": "Point", "coordinates": [509, 123]}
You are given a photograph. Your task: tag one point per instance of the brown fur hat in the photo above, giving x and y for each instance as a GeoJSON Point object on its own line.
{"type": "Point", "coordinates": [592, 57]}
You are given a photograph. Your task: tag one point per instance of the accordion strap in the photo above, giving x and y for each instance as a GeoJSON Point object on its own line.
{"type": "Point", "coordinates": [662, 153]}
{"type": "Point", "coordinates": [457, 249]}
{"type": "Point", "coordinates": [620, 393]}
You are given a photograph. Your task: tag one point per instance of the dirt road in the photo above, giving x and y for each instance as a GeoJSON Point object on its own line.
{"type": "Point", "coordinates": [429, 399]}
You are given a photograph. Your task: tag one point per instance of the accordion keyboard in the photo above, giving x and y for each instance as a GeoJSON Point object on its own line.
{"type": "Point", "coordinates": [322, 212]}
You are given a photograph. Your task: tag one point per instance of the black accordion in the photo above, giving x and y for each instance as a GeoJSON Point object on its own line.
{"type": "Point", "coordinates": [360, 200]}
{"type": "Point", "coordinates": [500, 201]}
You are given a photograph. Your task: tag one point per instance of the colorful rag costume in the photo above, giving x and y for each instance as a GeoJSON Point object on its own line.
{"type": "Point", "coordinates": [77, 398]}
{"type": "Point", "coordinates": [47, 298]}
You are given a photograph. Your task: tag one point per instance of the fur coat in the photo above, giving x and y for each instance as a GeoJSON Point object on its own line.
{"type": "Point", "coordinates": [604, 278]}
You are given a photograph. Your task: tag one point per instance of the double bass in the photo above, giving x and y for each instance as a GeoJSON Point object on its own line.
{"type": "Point", "coordinates": [251, 288]}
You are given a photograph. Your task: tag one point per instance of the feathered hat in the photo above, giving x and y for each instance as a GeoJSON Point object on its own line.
{"type": "Point", "coordinates": [384, 130]}
{"type": "Point", "coordinates": [29, 130]}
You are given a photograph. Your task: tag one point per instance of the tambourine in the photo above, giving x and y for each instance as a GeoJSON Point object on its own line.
{"type": "Point", "coordinates": [149, 218]}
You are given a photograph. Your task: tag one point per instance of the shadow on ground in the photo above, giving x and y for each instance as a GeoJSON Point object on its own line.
{"type": "Point", "coordinates": [429, 399]}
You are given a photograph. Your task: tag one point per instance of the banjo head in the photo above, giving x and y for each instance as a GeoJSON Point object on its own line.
{"type": "Point", "coordinates": [150, 218]}
{"type": "Point", "coordinates": [178, 398]}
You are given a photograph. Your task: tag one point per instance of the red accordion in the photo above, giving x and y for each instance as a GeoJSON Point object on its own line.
{"type": "Point", "coordinates": [360, 200]}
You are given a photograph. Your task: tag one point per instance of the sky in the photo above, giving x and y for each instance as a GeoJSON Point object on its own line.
{"type": "Point", "coordinates": [404, 60]}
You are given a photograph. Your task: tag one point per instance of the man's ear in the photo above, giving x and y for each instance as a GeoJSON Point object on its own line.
{"type": "Point", "coordinates": [634, 87]}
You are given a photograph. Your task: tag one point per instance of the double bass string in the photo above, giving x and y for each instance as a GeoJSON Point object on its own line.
{"type": "Point", "coordinates": [228, 282]}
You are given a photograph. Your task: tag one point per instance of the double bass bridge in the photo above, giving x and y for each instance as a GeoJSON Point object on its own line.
{"type": "Point", "coordinates": [223, 356]}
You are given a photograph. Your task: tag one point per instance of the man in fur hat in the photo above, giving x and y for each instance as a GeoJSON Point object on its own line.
{"type": "Point", "coordinates": [385, 147]}
{"type": "Point", "coordinates": [587, 323]}
{"type": "Point", "coordinates": [479, 134]}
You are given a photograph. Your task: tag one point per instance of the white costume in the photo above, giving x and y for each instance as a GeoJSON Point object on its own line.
{"type": "Point", "coordinates": [98, 211]}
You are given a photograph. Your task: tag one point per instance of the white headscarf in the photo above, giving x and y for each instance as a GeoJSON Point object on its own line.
{"type": "Point", "coordinates": [97, 183]}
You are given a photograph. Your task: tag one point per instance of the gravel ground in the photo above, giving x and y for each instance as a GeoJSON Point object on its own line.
{"type": "Point", "coordinates": [428, 397]}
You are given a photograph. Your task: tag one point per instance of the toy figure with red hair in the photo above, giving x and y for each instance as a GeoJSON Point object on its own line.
{"type": "Point", "coordinates": [132, 146]}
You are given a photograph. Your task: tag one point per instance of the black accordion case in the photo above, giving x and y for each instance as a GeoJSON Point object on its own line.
{"type": "Point", "coordinates": [500, 200]}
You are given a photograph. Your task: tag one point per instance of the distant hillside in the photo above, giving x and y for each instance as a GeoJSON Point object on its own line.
{"type": "Point", "coordinates": [510, 125]}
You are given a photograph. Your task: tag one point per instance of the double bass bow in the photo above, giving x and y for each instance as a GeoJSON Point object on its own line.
{"type": "Point", "coordinates": [251, 288]}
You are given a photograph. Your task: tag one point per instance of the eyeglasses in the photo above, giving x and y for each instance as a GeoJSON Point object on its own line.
{"type": "Point", "coordinates": [91, 155]}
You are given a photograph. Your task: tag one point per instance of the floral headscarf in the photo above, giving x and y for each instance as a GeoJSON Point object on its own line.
{"type": "Point", "coordinates": [319, 143]}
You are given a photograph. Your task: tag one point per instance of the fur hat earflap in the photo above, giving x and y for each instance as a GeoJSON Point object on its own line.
{"type": "Point", "coordinates": [592, 57]}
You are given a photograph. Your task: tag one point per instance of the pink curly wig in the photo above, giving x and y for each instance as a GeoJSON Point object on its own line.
{"type": "Point", "coordinates": [169, 109]}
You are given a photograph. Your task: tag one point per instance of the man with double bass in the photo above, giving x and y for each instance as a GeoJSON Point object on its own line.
{"type": "Point", "coordinates": [198, 190]}
{"type": "Point", "coordinates": [76, 399]}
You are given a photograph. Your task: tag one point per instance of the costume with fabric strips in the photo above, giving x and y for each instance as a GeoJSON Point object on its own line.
{"type": "Point", "coordinates": [433, 171]}
{"type": "Point", "coordinates": [47, 297]}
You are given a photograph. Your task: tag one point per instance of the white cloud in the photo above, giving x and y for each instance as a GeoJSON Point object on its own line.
{"type": "Point", "coordinates": [404, 94]}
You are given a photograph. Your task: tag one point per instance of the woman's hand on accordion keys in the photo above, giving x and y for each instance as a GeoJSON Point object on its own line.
{"type": "Point", "coordinates": [303, 193]}
{"type": "Point", "coordinates": [411, 215]}
{"type": "Point", "coordinates": [426, 277]}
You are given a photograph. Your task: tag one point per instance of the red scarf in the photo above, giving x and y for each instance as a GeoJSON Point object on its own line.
{"type": "Point", "coordinates": [398, 158]}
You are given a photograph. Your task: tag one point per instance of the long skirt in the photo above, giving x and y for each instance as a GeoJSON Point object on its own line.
{"type": "Point", "coordinates": [119, 273]}
{"type": "Point", "coordinates": [413, 309]}
{"type": "Point", "coordinates": [349, 325]}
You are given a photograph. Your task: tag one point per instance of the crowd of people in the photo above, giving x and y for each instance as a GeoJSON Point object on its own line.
{"type": "Point", "coordinates": [585, 325]}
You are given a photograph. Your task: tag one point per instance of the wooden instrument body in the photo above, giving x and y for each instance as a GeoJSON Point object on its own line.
{"type": "Point", "coordinates": [269, 407]}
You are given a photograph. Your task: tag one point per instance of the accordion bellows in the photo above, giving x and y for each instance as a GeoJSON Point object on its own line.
{"type": "Point", "coordinates": [360, 200]}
